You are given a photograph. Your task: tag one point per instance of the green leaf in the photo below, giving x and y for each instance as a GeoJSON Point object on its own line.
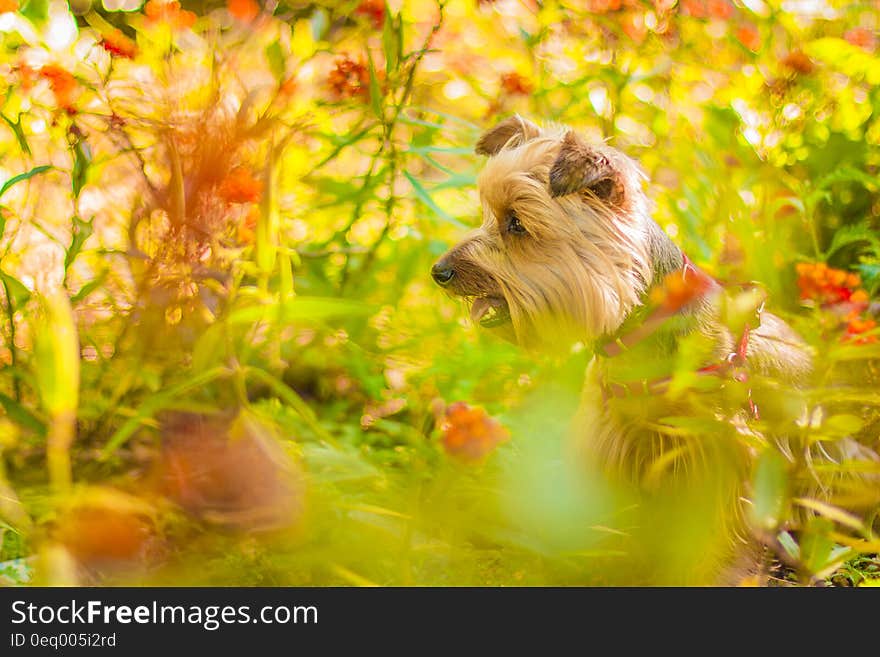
{"type": "Point", "coordinates": [24, 176]}
{"type": "Point", "coordinates": [848, 174]}
{"type": "Point", "coordinates": [345, 189]}
{"type": "Point", "coordinates": [769, 490]}
{"type": "Point", "coordinates": [20, 415]}
{"type": "Point", "coordinates": [82, 161]}
{"type": "Point", "coordinates": [832, 513]}
{"type": "Point", "coordinates": [56, 355]}
{"type": "Point", "coordinates": [208, 350]}
{"type": "Point", "coordinates": [375, 89]}
{"type": "Point", "coordinates": [843, 424]}
{"type": "Point", "coordinates": [16, 291]}
{"type": "Point", "coordinates": [853, 234]}
{"type": "Point", "coordinates": [155, 403]}
{"type": "Point", "coordinates": [301, 309]}
{"type": "Point", "coordinates": [850, 351]}
{"type": "Point", "coordinates": [425, 198]}
{"type": "Point", "coordinates": [456, 150]}
{"type": "Point", "coordinates": [277, 61]}
{"type": "Point", "coordinates": [390, 42]}
{"type": "Point", "coordinates": [473, 127]}
{"type": "Point", "coordinates": [787, 541]}
{"type": "Point", "coordinates": [398, 28]}
{"type": "Point", "coordinates": [457, 181]}
{"type": "Point", "coordinates": [331, 463]}
{"type": "Point", "coordinates": [740, 309]}
{"type": "Point", "coordinates": [319, 23]}
{"type": "Point", "coordinates": [684, 425]}
{"type": "Point", "coordinates": [870, 273]}
{"type": "Point", "coordinates": [340, 143]}
{"type": "Point", "coordinates": [82, 230]}
{"type": "Point", "coordinates": [19, 133]}
{"type": "Point", "coordinates": [291, 398]}
{"type": "Point", "coordinates": [816, 544]}
{"type": "Point", "coordinates": [88, 288]}
{"type": "Point", "coordinates": [722, 124]}
{"type": "Point", "coordinates": [35, 10]}
{"type": "Point", "coordinates": [285, 276]}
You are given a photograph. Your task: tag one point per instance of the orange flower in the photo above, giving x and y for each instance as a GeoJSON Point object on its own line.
{"type": "Point", "coordinates": [680, 289]}
{"type": "Point", "coordinates": [155, 10]}
{"type": "Point", "coordinates": [288, 87]}
{"type": "Point", "coordinates": [634, 26]}
{"type": "Point", "coordinates": [349, 79]}
{"type": "Point", "coordinates": [749, 36]}
{"type": "Point", "coordinates": [515, 84]}
{"type": "Point", "coordinates": [169, 11]}
{"type": "Point", "coordinates": [240, 186]}
{"type": "Point", "coordinates": [787, 203]}
{"type": "Point", "coordinates": [63, 85]}
{"type": "Point", "coordinates": [861, 37]}
{"type": "Point", "coordinates": [603, 6]}
{"type": "Point", "coordinates": [828, 286]}
{"type": "Point", "coordinates": [97, 535]}
{"type": "Point", "coordinates": [856, 327]}
{"type": "Point", "coordinates": [8, 5]}
{"type": "Point", "coordinates": [470, 434]}
{"type": "Point", "coordinates": [860, 298]}
{"type": "Point", "coordinates": [116, 43]}
{"type": "Point", "coordinates": [374, 10]}
{"type": "Point", "coordinates": [234, 475]}
{"type": "Point", "coordinates": [840, 291]}
{"type": "Point", "coordinates": [244, 10]}
{"type": "Point", "coordinates": [247, 229]}
{"type": "Point", "coordinates": [27, 76]}
{"type": "Point", "coordinates": [798, 62]}
{"type": "Point", "coordinates": [721, 9]}
{"type": "Point", "coordinates": [494, 108]}
{"type": "Point", "coordinates": [695, 8]}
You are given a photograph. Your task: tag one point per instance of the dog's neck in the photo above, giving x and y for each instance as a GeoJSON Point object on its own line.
{"type": "Point", "coordinates": [666, 257]}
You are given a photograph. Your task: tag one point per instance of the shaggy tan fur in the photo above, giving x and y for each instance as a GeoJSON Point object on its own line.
{"type": "Point", "coordinates": [581, 264]}
{"type": "Point", "coordinates": [566, 253]}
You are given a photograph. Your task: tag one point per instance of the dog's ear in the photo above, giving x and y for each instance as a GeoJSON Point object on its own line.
{"type": "Point", "coordinates": [580, 167]}
{"type": "Point", "coordinates": [510, 133]}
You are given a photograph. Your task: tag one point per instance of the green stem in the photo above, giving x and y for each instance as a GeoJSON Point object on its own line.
{"type": "Point", "coordinates": [60, 438]}
{"type": "Point", "coordinates": [388, 144]}
{"type": "Point", "coordinates": [10, 316]}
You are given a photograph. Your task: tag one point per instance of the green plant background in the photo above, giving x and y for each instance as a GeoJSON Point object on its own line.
{"type": "Point", "coordinates": [758, 128]}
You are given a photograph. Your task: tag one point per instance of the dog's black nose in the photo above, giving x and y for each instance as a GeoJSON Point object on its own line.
{"type": "Point", "coordinates": [442, 273]}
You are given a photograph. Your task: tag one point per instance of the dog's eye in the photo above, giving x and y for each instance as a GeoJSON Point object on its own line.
{"type": "Point", "coordinates": [513, 224]}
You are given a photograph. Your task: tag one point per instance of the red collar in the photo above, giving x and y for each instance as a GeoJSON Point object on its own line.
{"type": "Point", "coordinates": [696, 285]}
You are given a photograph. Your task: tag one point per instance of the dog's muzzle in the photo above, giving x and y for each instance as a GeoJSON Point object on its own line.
{"type": "Point", "coordinates": [488, 309]}
{"type": "Point", "coordinates": [442, 273]}
{"type": "Point", "coordinates": [490, 312]}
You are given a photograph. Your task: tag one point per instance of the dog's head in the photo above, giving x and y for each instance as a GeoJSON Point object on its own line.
{"type": "Point", "coordinates": [563, 251]}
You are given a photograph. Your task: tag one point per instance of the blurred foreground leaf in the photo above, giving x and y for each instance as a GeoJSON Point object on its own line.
{"type": "Point", "coordinates": [57, 365]}
{"type": "Point", "coordinates": [23, 176]}
{"type": "Point", "coordinates": [769, 490]}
